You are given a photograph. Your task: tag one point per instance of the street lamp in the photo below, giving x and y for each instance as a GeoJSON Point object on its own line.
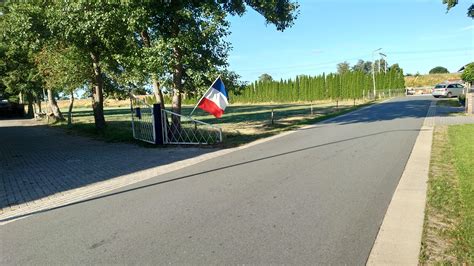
{"type": "Point", "coordinates": [373, 69]}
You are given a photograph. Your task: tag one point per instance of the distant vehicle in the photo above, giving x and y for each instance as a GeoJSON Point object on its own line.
{"type": "Point", "coordinates": [447, 90]}
{"type": "Point", "coordinates": [411, 91]}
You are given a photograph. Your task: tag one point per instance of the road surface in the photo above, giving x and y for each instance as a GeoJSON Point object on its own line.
{"type": "Point", "coordinates": [315, 196]}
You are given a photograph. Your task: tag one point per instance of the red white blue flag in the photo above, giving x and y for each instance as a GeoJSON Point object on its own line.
{"type": "Point", "coordinates": [215, 100]}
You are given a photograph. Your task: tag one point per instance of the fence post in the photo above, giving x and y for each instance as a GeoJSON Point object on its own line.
{"type": "Point", "coordinates": [272, 116]}
{"type": "Point", "coordinates": [158, 124]}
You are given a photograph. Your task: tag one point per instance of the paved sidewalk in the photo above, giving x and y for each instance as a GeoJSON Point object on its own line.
{"type": "Point", "coordinates": [399, 239]}
{"type": "Point", "coordinates": [38, 163]}
{"type": "Point", "coordinates": [445, 116]}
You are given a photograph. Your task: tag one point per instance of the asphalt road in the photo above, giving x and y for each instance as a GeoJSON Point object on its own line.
{"type": "Point", "coordinates": [315, 196]}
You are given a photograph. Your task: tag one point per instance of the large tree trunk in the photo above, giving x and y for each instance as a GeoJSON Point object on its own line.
{"type": "Point", "coordinates": [29, 98]}
{"type": "Point", "coordinates": [97, 94]}
{"type": "Point", "coordinates": [71, 104]}
{"type": "Point", "coordinates": [53, 105]}
{"type": "Point", "coordinates": [156, 90]}
{"type": "Point", "coordinates": [177, 91]}
{"type": "Point", "coordinates": [38, 103]}
{"type": "Point", "coordinates": [156, 84]}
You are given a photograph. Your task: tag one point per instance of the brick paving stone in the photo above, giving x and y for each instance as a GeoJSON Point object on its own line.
{"type": "Point", "coordinates": [446, 115]}
{"type": "Point", "coordinates": [37, 162]}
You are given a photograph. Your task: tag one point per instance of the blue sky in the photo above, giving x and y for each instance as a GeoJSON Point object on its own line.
{"type": "Point", "coordinates": [417, 34]}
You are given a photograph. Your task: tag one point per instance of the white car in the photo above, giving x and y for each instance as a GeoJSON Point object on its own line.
{"type": "Point", "coordinates": [447, 90]}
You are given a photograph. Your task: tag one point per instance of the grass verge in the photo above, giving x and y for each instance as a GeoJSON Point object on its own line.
{"type": "Point", "coordinates": [449, 102]}
{"type": "Point", "coordinates": [448, 234]}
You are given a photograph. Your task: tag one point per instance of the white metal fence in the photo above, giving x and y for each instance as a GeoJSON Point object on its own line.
{"type": "Point", "coordinates": [180, 129]}
{"type": "Point", "coordinates": [142, 120]}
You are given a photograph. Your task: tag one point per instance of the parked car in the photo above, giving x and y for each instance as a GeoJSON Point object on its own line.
{"type": "Point", "coordinates": [411, 91]}
{"type": "Point", "coordinates": [447, 90]}
{"type": "Point", "coordinates": [10, 109]}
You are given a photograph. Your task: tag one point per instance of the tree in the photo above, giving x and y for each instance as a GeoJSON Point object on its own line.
{"type": "Point", "coordinates": [23, 32]}
{"type": "Point", "coordinates": [439, 70]}
{"type": "Point", "coordinates": [192, 39]}
{"type": "Point", "coordinates": [468, 73]}
{"type": "Point", "coordinates": [380, 65]}
{"type": "Point", "coordinates": [397, 68]}
{"type": "Point", "coordinates": [364, 66]}
{"type": "Point", "coordinates": [98, 30]}
{"type": "Point", "coordinates": [63, 69]}
{"type": "Point", "coordinates": [343, 67]}
{"type": "Point", "coordinates": [452, 3]}
{"type": "Point", "coordinates": [265, 78]}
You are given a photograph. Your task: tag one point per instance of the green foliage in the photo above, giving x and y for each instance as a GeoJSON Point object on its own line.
{"type": "Point", "coordinates": [439, 70]}
{"type": "Point", "coordinates": [452, 3]}
{"type": "Point", "coordinates": [468, 73]}
{"type": "Point", "coordinates": [364, 66]}
{"type": "Point", "coordinates": [265, 78]}
{"type": "Point", "coordinates": [349, 85]}
{"type": "Point", "coordinates": [462, 99]}
{"type": "Point", "coordinates": [119, 46]}
{"type": "Point", "coordinates": [22, 37]}
{"type": "Point", "coordinates": [343, 67]}
{"type": "Point", "coordinates": [63, 68]}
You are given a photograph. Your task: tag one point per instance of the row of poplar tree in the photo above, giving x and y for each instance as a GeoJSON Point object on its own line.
{"type": "Point", "coordinates": [335, 86]}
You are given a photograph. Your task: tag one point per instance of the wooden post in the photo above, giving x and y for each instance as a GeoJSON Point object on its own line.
{"type": "Point", "coordinates": [311, 107]}
{"type": "Point", "coordinates": [272, 117]}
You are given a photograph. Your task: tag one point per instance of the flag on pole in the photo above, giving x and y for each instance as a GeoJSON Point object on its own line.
{"type": "Point", "coordinates": [215, 100]}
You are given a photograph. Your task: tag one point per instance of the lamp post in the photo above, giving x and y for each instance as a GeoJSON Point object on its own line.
{"type": "Point", "coordinates": [373, 70]}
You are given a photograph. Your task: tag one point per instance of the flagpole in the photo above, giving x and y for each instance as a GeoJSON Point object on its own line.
{"type": "Point", "coordinates": [203, 96]}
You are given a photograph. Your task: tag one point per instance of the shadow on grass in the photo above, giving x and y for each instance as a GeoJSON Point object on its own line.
{"type": "Point", "coordinates": [120, 131]}
{"type": "Point", "coordinates": [260, 115]}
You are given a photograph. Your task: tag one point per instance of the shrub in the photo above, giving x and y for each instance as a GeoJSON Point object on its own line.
{"type": "Point", "coordinates": [439, 70]}
{"type": "Point", "coordinates": [462, 99]}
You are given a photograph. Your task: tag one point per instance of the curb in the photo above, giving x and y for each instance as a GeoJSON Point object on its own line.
{"type": "Point", "coordinates": [83, 193]}
{"type": "Point", "coordinates": [398, 241]}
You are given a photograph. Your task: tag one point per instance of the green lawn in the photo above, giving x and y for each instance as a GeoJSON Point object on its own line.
{"type": "Point", "coordinates": [240, 123]}
{"type": "Point", "coordinates": [448, 235]}
{"type": "Point", "coordinates": [449, 102]}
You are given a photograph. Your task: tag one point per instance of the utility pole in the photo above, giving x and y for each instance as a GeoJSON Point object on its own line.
{"type": "Point", "coordinates": [373, 70]}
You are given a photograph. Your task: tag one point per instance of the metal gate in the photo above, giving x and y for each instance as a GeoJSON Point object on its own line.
{"type": "Point", "coordinates": [152, 124]}
{"type": "Point", "coordinates": [143, 122]}
{"type": "Point", "coordinates": [180, 129]}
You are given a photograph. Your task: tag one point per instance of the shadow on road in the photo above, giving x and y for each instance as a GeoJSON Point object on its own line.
{"type": "Point", "coordinates": [396, 109]}
{"type": "Point", "coordinates": [37, 161]}
{"type": "Point", "coordinates": [212, 170]}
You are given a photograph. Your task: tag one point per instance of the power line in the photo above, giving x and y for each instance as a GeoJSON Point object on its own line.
{"type": "Point", "coordinates": [329, 63]}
